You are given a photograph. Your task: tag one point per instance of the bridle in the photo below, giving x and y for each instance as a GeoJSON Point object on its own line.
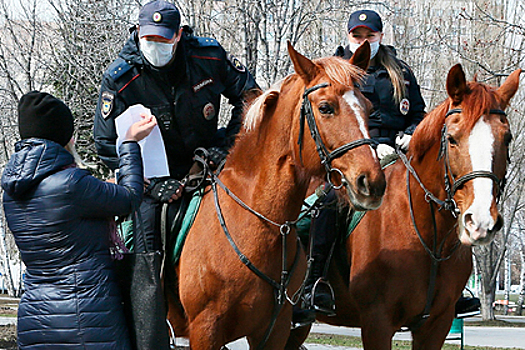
{"type": "Point", "coordinates": [326, 156]}
{"type": "Point", "coordinates": [451, 184]}
{"type": "Point", "coordinates": [451, 187]}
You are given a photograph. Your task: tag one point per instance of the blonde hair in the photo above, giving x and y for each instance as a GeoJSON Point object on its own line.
{"type": "Point", "coordinates": [70, 147]}
{"type": "Point", "coordinates": [386, 58]}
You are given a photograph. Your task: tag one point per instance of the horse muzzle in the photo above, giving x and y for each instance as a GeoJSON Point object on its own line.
{"type": "Point", "coordinates": [473, 230]}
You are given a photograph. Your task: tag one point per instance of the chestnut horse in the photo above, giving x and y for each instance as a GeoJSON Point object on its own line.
{"type": "Point", "coordinates": [241, 263]}
{"type": "Point", "coordinates": [410, 259]}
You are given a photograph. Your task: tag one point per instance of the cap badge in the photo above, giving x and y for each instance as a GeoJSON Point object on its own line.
{"type": "Point", "coordinates": [208, 111]}
{"type": "Point", "coordinates": [404, 106]}
{"type": "Point", "coordinates": [157, 17]}
{"type": "Point", "coordinates": [362, 17]}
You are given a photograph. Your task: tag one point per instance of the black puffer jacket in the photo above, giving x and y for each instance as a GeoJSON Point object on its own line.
{"type": "Point", "coordinates": [60, 218]}
{"type": "Point", "coordinates": [388, 117]}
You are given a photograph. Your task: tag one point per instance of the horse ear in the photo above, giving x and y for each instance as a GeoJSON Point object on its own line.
{"type": "Point", "coordinates": [302, 65]}
{"type": "Point", "coordinates": [509, 87]}
{"type": "Point", "coordinates": [361, 56]}
{"type": "Point", "coordinates": [456, 84]}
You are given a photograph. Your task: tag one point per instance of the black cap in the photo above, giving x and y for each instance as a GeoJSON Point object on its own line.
{"type": "Point", "coordinates": [159, 18]}
{"type": "Point", "coordinates": [365, 18]}
{"type": "Point", "coordinates": [43, 116]}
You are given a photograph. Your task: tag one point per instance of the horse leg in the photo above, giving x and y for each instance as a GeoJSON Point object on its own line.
{"type": "Point", "coordinates": [279, 335]}
{"type": "Point", "coordinates": [431, 336]}
{"type": "Point", "coordinates": [376, 331]}
{"type": "Point", "coordinates": [205, 331]}
{"type": "Point", "coordinates": [297, 338]}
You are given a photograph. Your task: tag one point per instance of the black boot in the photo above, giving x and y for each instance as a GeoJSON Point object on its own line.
{"type": "Point", "coordinates": [467, 307]}
{"type": "Point", "coordinates": [318, 291]}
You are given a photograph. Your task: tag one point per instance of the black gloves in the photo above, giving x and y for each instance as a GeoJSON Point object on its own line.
{"type": "Point", "coordinates": [216, 155]}
{"type": "Point", "coordinates": [162, 189]}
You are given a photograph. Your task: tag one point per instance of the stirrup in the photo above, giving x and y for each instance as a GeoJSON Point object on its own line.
{"type": "Point", "coordinates": [327, 311]}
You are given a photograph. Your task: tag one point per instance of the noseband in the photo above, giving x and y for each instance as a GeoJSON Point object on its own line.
{"type": "Point", "coordinates": [325, 155]}
{"type": "Point", "coordinates": [457, 183]}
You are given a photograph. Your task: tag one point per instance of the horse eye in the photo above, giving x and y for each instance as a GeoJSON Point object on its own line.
{"type": "Point", "coordinates": [451, 140]}
{"type": "Point", "coordinates": [325, 108]}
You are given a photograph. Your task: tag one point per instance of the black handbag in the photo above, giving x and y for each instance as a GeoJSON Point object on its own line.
{"type": "Point", "coordinates": [139, 278]}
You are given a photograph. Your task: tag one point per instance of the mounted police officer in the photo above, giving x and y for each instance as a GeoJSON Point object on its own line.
{"type": "Point", "coordinates": [180, 78]}
{"type": "Point", "coordinates": [390, 85]}
{"type": "Point", "coordinates": [398, 108]}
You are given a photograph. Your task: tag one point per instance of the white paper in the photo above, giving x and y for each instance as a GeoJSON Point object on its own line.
{"type": "Point", "coordinates": [152, 147]}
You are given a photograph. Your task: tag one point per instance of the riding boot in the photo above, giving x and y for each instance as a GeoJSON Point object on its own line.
{"type": "Point", "coordinates": [318, 292]}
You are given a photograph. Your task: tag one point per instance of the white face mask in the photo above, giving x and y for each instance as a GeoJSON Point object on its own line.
{"type": "Point", "coordinates": [374, 47]}
{"type": "Point", "coordinates": [158, 54]}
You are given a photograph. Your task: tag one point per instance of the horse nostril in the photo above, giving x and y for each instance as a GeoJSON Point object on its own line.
{"type": "Point", "coordinates": [362, 185]}
{"type": "Point", "coordinates": [468, 221]}
{"type": "Point", "coordinates": [498, 225]}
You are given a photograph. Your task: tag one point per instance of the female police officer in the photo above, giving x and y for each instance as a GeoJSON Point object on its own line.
{"type": "Point", "coordinates": [390, 84]}
{"type": "Point", "coordinates": [398, 107]}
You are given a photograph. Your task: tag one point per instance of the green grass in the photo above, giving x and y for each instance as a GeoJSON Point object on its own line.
{"type": "Point", "coordinates": [355, 342]}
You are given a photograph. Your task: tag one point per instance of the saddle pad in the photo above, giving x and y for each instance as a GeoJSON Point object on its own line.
{"type": "Point", "coordinates": [187, 222]}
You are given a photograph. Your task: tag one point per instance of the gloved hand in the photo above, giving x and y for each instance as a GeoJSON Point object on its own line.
{"type": "Point", "coordinates": [165, 190]}
{"type": "Point", "coordinates": [403, 141]}
{"type": "Point", "coordinates": [384, 150]}
{"type": "Point", "coordinates": [216, 155]}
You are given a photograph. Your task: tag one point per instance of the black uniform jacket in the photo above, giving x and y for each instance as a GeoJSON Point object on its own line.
{"type": "Point", "coordinates": [389, 117]}
{"type": "Point", "coordinates": [184, 97]}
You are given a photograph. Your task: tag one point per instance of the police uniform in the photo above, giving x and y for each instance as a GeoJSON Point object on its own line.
{"type": "Point", "coordinates": [388, 117]}
{"type": "Point", "coordinates": [184, 97]}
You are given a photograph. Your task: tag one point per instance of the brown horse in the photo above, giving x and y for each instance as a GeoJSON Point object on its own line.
{"type": "Point", "coordinates": [410, 259]}
{"type": "Point", "coordinates": [228, 290]}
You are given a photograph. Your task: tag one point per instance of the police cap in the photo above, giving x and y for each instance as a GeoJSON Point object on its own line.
{"type": "Point", "coordinates": [159, 18]}
{"type": "Point", "coordinates": [365, 18]}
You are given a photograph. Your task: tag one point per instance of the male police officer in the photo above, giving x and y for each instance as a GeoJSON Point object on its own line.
{"type": "Point", "coordinates": [180, 78]}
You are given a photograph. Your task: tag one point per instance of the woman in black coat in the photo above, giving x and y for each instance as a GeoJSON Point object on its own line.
{"type": "Point", "coordinates": [62, 219]}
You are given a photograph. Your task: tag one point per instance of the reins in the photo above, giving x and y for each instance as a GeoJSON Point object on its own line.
{"type": "Point", "coordinates": [451, 187]}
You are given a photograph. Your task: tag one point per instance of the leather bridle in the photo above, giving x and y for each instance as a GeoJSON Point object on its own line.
{"type": "Point", "coordinates": [326, 156]}
{"type": "Point", "coordinates": [452, 184]}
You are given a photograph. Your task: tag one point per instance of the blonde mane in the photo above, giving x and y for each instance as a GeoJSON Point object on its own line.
{"type": "Point", "coordinates": [254, 113]}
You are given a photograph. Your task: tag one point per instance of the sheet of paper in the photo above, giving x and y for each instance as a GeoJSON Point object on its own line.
{"type": "Point", "coordinates": [152, 147]}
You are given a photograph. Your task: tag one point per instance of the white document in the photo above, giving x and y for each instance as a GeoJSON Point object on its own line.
{"type": "Point", "coordinates": [152, 147]}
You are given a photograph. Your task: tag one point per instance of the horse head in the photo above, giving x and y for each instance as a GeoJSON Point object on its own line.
{"type": "Point", "coordinates": [474, 142]}
{"type": "Point", "coordinates": [336, 114]}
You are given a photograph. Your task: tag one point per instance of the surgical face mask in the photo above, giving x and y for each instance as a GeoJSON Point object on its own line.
{"type": "Point", "coordinates": [374, 47]}
{"type": "Point", "coordinates": [158, 54]}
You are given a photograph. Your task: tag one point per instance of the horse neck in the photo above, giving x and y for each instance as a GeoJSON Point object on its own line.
{"type": "Point", "coordinates": [262, 165]}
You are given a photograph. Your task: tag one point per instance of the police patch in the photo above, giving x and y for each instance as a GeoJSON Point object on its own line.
{"type": "Point", "coordinates": [106, 103]}
{"type": "Point", "coordinates": [404, 106]}
{"type": "Point", "coordinates": [208, 111]}
{"type": "Point", "coordinates": [235, 63]}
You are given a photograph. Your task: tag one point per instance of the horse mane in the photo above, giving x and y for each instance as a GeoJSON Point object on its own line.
{"type": "Point", "coordinates": [342, 74]}
{"type": "Point", "coordinates": [478, 100]}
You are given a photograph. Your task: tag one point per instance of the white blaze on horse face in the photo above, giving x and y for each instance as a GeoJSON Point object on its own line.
{"type": "Point", "coordinates": [477, 218]}
{"type": "Point", "coordinates": [353, 102]}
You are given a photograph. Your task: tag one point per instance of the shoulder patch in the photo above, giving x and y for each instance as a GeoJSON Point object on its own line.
{"type": "Point", "coordinates": [118, 68]}
{"type": "Point", "coordinates": [106, 103]}
{"type": "Point", "coordinates": [235, 63]}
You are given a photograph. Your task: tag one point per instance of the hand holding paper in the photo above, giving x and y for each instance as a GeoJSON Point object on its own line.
{"type": "Point", "coordinates": [152, 146]}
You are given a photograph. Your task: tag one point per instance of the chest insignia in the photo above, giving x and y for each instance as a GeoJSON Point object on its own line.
{"type": "Point", "coordinates": [107, 99]}
{"type": "Point", "coordinates": [404, 106]}
{"type": "Point", "coordinates": [208, 111]}
{"type": "Point", "coordinates": [202, 84]}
